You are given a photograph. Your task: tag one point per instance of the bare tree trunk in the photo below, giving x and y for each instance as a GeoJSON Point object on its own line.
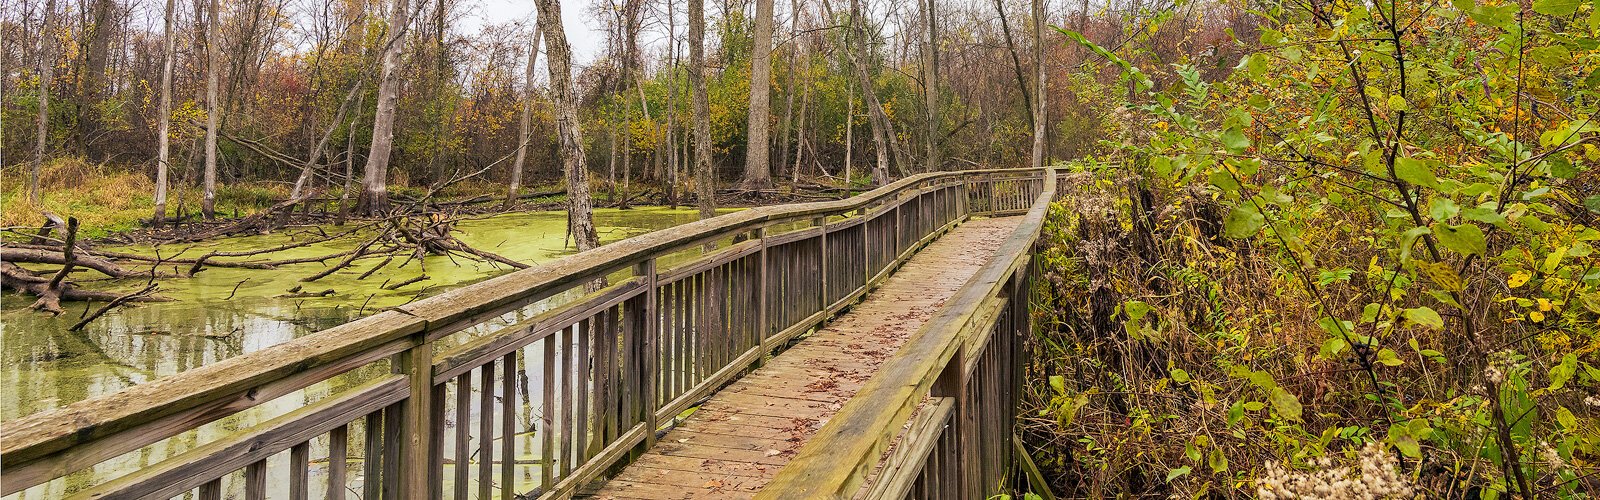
{"type": "Point", "coordinates": [849, 132]}
{"type": "Point", "coordinates": [880, 122]}
{"type": "Point", "coordinates": [526, 122]}
{"type": "Point", "coordinates": [789, 91]}
{"type": "Point", "coordinates": [46, 65]}
{"type": "Point", "coordinates": [705, 179]}
{"type": "Point", "coordinates": [757, 164]}
{"type": "Point", "coordinates": [930, 82]}
{"type": "Point", "coordinates": [672, 105]}
{"type": "Point", "coordinates": [375, 183]}
{"type": "Point", "coordinates": [1039, 109]}
{"type": "Point", "coordinates": [164, 121]}
{"type": "Point", "coordinates": [1016, 62]}
{"type": "Point", "coordinates": [213, 110]}
{"type": "Point", "coordinates": [580, 217]}
{"type": "Point", "coordinates": [349, 164]}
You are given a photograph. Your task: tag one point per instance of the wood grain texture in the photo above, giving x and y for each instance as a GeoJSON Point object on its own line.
{"type": "Point", "coordinates": [739, 439]}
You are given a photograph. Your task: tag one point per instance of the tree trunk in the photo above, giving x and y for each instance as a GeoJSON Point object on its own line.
{"type": "Point", "coordinates": [525, 137]}
{"type": "Point", "coordinates": [757, 163]}
{"type": "Point", "coordinates": [1039, 109]}
{"type": "Point", "coordinates": [580, 219]}
{"type": "Point", "coordinates": [876, 117]}
{"type": "Point", "coordinates": [47, 62]}
{"type": "Point", "coordinates": [375, 183]}
{"type": "Point", "coordinates": [96, 48]}
{"type": "Point", "coordinates": [705, 178]}
{"type": "Point", "coordinates": [164, 120]}
{"type": "Point", "coordinates": [213, 110]}
{"type": "Point", "coordinates": [930, 82]}
{"type": "Point", "coordinates": [789, 91]}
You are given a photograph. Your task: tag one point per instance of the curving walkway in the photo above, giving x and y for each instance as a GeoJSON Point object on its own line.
{"type": "Point", "coordinates": [736, 442]}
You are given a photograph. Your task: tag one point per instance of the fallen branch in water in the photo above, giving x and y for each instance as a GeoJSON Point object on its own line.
{"type": "Point", "coordinates": [148, 289]}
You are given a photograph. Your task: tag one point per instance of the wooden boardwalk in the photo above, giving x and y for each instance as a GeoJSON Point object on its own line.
{"type": "Point", "coordinates": [738, 440]}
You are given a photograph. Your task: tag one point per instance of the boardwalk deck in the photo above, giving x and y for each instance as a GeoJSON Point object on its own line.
{"type": "Point", "coordinates": [736, 442]}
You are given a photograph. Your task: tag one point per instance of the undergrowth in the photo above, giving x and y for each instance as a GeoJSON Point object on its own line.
{"type": "Point", "coordinates": [1362, 265]}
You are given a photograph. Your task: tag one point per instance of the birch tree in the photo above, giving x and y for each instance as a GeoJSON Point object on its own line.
{"type": "Point", "coordinates": [213, 112]}
{"type": "Point", "coordinates": [757, 159]}
{"type": "Point", "coordinates": [164, 120]}
{"type": "Point", "coordinates": [375, 189]}
{"type": "Point", "coordinates": [525, 123]}
{"type": "Point", "coordinates": [705, 179]}
{"type": "Point", "coordinates": [1039, 85]}
{"type": "Point", "coordinates": [46, 64]}
{"type": "Point", "coordinates": [558, 59]}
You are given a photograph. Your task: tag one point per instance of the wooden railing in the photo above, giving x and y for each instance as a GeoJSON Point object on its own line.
{"type": "Point", "coordinates": [438, 397]}
{"type": "Point", "coordinates": [936, 419]}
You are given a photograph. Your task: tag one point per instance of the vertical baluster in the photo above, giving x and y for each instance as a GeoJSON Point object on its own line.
{"type": "Point", "coordinates": [338, 452]}
{"type": "Point", "coordinates": [508, 420]}
{"type": "Point", "coordinates": [211, 490]}
{"type": "Point", "coordinates": [255, 480]}
{"type": "Point", "coordinates": [567, 386]}
{"type": "Point", "coordinates": [486, 430]}
{"type": "Point", "coordinates": [583, 371]}
{"type": "Point", "coordinates": [547, 450]}
{"type": "Point", "coordinates": [463, 433]}
{"type": "Point", "coordinates": [372, 474]}
{"type": "Point", "coordinates": [650, 317]}
{"type": "Point", "coordinates": [613, 389]}
{"type": "Point", "coordinates": [299, 465]}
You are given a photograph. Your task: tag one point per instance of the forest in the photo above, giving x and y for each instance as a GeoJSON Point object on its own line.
{"type": "Point", "coordinates": [1308, 248]}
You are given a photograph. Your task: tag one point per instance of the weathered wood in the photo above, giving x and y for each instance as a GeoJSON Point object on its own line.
{"type": "Point", "coordinates": [338, 461]}
{"type": "Point", "coordinates": [249, 449]}
{"type": "Point", "coordinates": [761, 423]}
{"type": "Point", "coordinates": [916, 446]}
{"type": "Point", "coordinates": [90, 452]}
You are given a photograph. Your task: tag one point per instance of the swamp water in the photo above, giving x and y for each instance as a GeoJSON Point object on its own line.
{"type": "Point", "coordinates": [225, 312]}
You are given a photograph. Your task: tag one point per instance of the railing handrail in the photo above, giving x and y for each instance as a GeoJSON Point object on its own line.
{"type": "Point", "coordinates": [181, 401]}
{"type": "Point", "coordinates": [835, 460]}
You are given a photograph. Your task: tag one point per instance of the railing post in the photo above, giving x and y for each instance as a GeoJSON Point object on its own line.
{"type": "Point", "coordinates": [648, 328]}
{"type": "Point", "coordinates": [419, 478]}
{"type": "Point", "coordinates": [763, 284]}
{"type": "Point", "coordinates": [822, 261]}
{"type": "Point", "coordinates": [993, 203]}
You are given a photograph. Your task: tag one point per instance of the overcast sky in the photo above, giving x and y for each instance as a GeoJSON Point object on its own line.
{"type": "Point", "coordinates": [582, 32]}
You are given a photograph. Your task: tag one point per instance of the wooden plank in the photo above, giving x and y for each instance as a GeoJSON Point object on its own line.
{"type": "Point", "coordinates": [299, 471]}
{"type": "Point", "coordinates": [463, 456]}
{"type": "Point", "coordinates": [372, 460]}
{"type": "Point", "coordinates": [338, 462]}
{"type": "Point", "coordinates": [251, 447]}
{"type": "Point", "coordinates": [482, 349]}
{"type": "Point", "coordinates": [834, 462]}
{"type": "Point", "coordinates": [88, 453]}
{"type": "Point", "coordinates": [508, 429]}
{"type": "Point", "coordinates": [255, 480]}
{"type": "Point", "coordinates": [486, 432]}
{"type": "Point", "coordinates": [913, 451]}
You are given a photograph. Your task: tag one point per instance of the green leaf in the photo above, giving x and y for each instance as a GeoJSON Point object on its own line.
{"type": "Point", "coordinates": [1592, 202]}
{"type": "Point", "coordinates": [1332, 347]}
{"type": "Point", "coordinates": [1398, 103]}
{"type": "Point", "coordinates": [1415, 171]}
{"type": "Point", "coordinates": [1180, 376]}
{"type": "Point", "coordinates": [1217, 460]}
{"type": "Point", "coordinates": [1234, 140]}
{"type": "Point", "coordinates": [1177, 473]}
{"type": "Point", "coordinates": [1561, 373]}
{"type": "Point", "coordinates": [1058, 383]}
{"type": "Point", "coordinates": [1559, 8]}
{"type": "Point", "coordinates": [1287, 405]}
{"type": "Point", "coordinates": [1566, 418]}
{"type": "Point", "coordinates": [1243, 222]}
{"type": "Point", "coordinates": [1387, 357]}
{"type": "Point", "coordinates": [1424, 316]}
{"type": "Point", "coordinates": [1465, 239]}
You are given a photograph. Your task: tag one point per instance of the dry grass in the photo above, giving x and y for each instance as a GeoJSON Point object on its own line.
{"type": "Point", "coordinates": [107, 199]}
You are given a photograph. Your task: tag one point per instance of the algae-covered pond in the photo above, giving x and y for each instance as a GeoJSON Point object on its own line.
{"type": "Point", "coordinates": [224, 312]}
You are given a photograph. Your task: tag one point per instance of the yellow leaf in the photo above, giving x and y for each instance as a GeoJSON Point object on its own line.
{"type": "Point", "coordinates": [1544, 304]}
{"type": "Point", "coordinates": [1518, 279]}
{"type": "Point", "coordinates": [1536, 316]}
